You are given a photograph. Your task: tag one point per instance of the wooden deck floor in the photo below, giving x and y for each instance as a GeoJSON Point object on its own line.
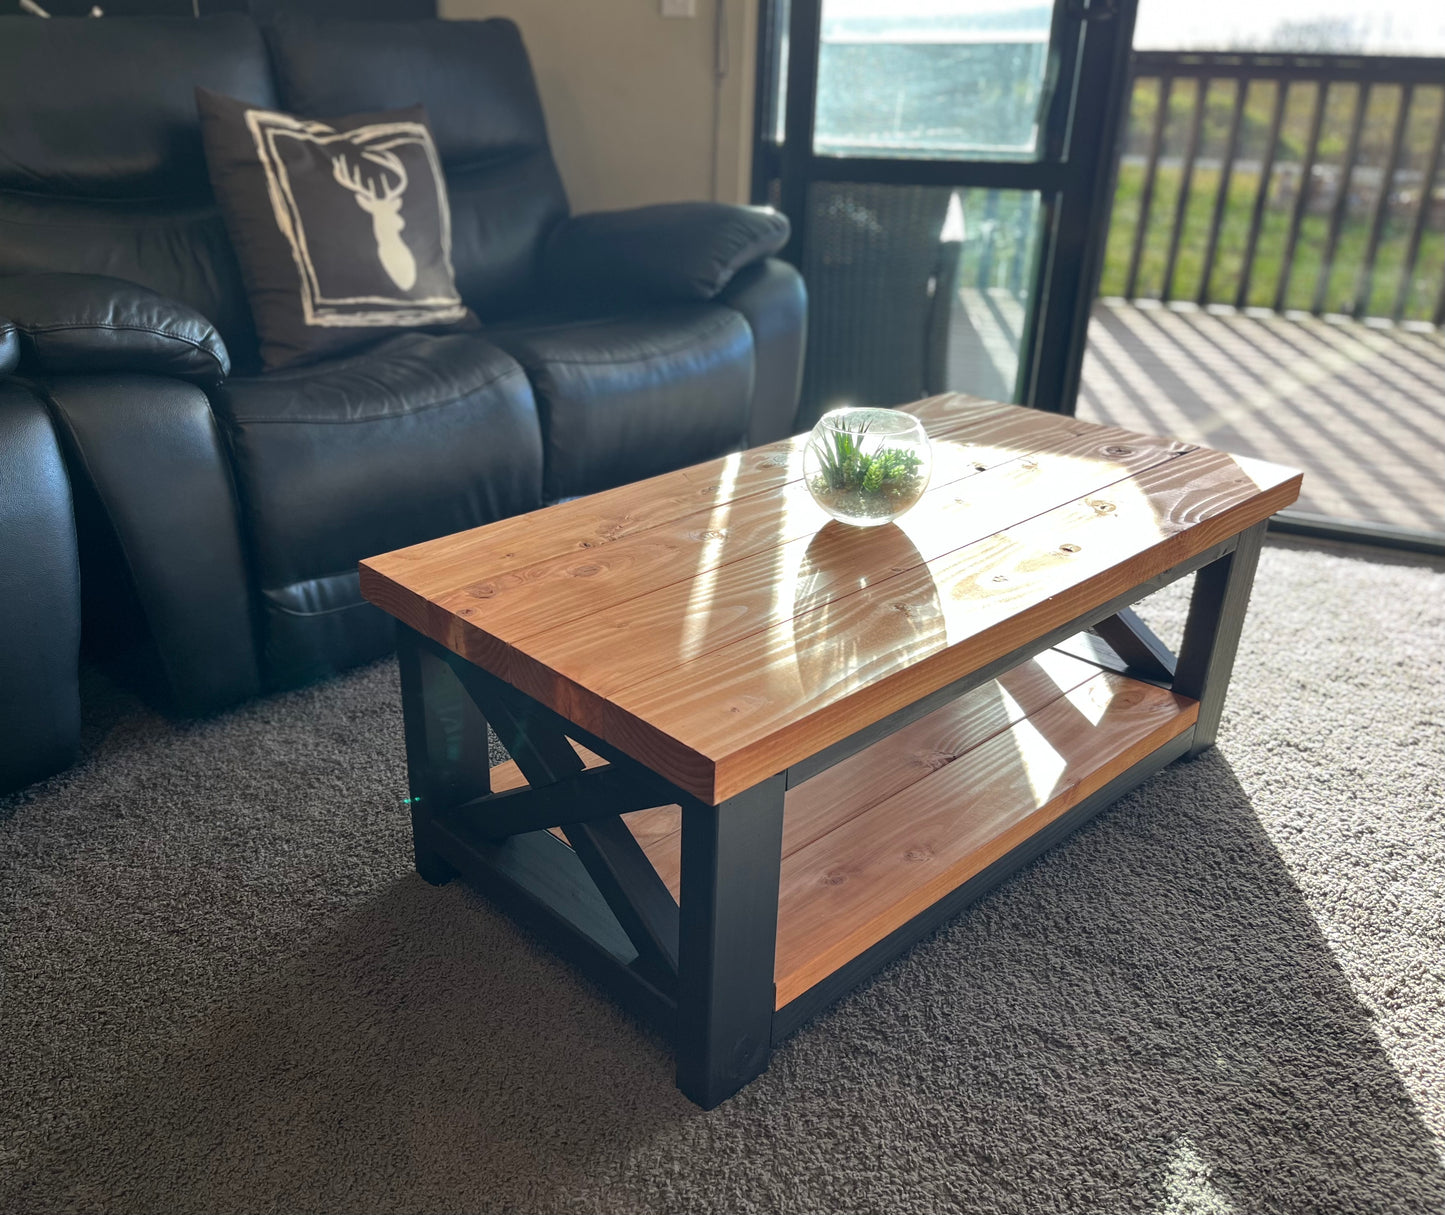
{"type": "Point", "coordinates": [1360, 409]}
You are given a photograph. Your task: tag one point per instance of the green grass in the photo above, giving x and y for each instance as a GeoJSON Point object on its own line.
{"type": "Point", "coordinates": [1307, 263]}
{"type": "Point", "coordinates": [1308, 260]}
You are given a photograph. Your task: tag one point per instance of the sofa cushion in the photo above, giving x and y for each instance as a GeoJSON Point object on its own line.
{"type": "Point", "coordinates": [101, 165]}
{"type": "Point", "coordinates": [108, 106]}
{"type": "Point", "coordinates": [625, 398]}
{"type": "Point", "coordinates": [476, 83]}
{"type": "Point", "coordinates": [420, 436]}
{"type": "Point", "coordinates": [417, 437]}
{"type": "Point", "coordinates": [79, 323]}
{"type": "Point", "coordinates": [342, 227]}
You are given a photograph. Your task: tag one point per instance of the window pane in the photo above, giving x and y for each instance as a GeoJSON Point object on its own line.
{"type": "Point", "coordinates": [915, 290]}
{"type": "Point", "coordinates": [932, 79]}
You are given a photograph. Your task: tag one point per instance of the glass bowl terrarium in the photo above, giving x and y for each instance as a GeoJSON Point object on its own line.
{"type": "Point", "coordinates": [867, 466]}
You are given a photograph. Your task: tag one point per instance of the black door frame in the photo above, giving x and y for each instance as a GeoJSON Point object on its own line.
{"type": "Point", "coordinates": [1088, 80]}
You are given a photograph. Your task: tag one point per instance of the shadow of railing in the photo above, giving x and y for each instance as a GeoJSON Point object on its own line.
{"type": "Point", "coordinates": [1350, 404]}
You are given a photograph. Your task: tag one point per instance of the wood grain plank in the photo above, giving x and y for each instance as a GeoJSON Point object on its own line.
{"type": "Point", "coordinates": [890, 765]}
{"type": "Point", "coordinates": [651, 827]}
{"type": "Point", "coordinates": [478, 591]}
{"type": "Point", "coordinates": [616, 647]}
{"type": "Point", "coordinates": [919, 750]}
{"type": "Point", "coordinates": [562, 590]}
{"type": "Point", "coordinates": [853, 886]}
{"type": "Point", "coordinates": [738, 714]}
{"type": "Point", "coordinates": [435, 566]}
{"type": "Point", "coordinates": [431, 586]}
{"type": "Point", "coordinates": [406, 582]}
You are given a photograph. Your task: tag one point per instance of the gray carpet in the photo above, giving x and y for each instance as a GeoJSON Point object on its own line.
{"type": "Point", "coordinates": [224, 990]}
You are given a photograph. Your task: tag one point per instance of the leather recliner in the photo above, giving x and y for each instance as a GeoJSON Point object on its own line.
{"type": "Point", "coordinates": [39, 588]}
{"type": "Point", "coordinates": [222, 516]}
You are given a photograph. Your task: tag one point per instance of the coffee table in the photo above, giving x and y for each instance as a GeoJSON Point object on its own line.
{"type": "Point", "coordinates": [757, 754]}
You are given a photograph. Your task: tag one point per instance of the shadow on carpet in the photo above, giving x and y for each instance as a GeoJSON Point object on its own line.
{"type": "Point", "coordinates": [1148, 1019]}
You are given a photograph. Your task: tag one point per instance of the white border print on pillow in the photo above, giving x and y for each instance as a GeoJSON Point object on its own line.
{"type": "Point", "coordinates": [381, 268]}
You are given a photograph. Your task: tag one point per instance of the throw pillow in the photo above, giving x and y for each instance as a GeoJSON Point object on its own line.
{"type": "Point", "coordinates": [342, 227]}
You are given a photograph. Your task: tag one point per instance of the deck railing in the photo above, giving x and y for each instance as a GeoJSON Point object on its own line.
{"type": "Point", "coordinates": [1284, 181]}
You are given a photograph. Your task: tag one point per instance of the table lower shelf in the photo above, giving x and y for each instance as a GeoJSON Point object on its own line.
{"type": "Point", "coordinates": [876, 840]}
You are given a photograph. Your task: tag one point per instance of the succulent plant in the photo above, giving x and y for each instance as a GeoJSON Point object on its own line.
{"type": "Point", "coordinates": [844, 466]}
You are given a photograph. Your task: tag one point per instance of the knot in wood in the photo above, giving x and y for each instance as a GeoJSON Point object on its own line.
{"type": "Point", "coordinates": [1103, 508]}
{"type": "Point", "coordinates": [1069, 548]}
{"type": "Point", "coordinates": [585, 571]}
{"type": "Point", "coordinates": [1118, 449]}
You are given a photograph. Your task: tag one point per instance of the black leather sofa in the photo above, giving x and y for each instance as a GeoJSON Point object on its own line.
{"type": "Point", "coordinates": [222, 514]}
{"type": "Point", "coordinates": [39, 588]}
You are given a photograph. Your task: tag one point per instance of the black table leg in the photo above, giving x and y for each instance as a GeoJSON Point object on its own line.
{"type": "Point", "coordinates": [1211, 632]}
{"type": "Point", "coordinates": [447, 757]}
{"type": "Point", "coordinates": [731, 857]}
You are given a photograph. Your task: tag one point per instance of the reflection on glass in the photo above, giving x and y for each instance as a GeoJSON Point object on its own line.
{"type": "Point", "coordinates": [782, 12]}
{"type": "Point", "coordinates": [932, 79]}
{"type": "Point", "coordinates": [916, 290]}
{"type": "Point", "coordinates": [999, 234]}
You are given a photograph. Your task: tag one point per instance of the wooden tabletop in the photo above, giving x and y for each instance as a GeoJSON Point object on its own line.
{"type": "Point", "coordinates": [716, 625]}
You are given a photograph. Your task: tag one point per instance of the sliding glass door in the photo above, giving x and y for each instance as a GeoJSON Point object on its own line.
{"type": "Point", "coordinates": [945, 165]}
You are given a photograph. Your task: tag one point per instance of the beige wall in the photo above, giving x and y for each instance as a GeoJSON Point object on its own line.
{"type": "Point", "coordinates": [634, 107]}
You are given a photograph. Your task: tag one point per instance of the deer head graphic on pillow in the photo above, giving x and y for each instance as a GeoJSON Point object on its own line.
{"type": "Point", "coordinates": [379, 193]}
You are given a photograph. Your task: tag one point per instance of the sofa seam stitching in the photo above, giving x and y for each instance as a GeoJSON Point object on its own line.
{"type": "Point", "coordinates": [31, 330]}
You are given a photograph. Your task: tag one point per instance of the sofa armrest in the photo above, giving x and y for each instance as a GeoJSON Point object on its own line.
{"type": "Point", "coordinates": [774, 302]}
{"type": "Point", "coordinates": [148, 453]}
{"type": "Point", "coordinates": [672, 252]}
{"type": "Point", "coordinates": [80, 324]}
